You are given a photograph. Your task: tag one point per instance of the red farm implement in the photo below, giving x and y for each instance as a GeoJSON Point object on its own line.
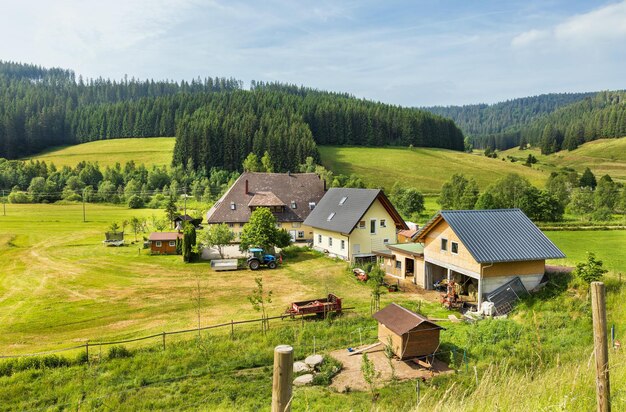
{"type": "Point", "coordinates": [319, 307]}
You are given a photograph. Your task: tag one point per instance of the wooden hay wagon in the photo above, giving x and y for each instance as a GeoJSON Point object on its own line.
{"type": "Point", "coordinates": [319, 307]}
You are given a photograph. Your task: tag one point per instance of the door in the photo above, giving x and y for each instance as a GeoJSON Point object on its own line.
{"type": "Point", "coordinates": [293, 234]}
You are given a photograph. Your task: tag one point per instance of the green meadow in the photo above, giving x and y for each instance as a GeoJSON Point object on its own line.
{"type": "Point", "coordinates": [423, 168]}
{"type": "Point", "coordinates": [149, 151]}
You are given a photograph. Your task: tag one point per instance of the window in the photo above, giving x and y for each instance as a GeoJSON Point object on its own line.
{"type": "Point", "coordinates": [343, 200]}
{"type": "Point", "coordinates": [311, 205]}
{"type": "Point", "coordinates": [454, 247]}
{"type": "Point", "coordinates": [398, 264]}
{"type": "Point", "coordinates": [279, 225]}
{"type": "Point", "coordinates": [343, 245]}
{"type": "Point", "coordinates": [300, 234]}
{"type": "Point", "coordinates": [296, 224]}
{"type": "Point", "coordinates": [158, 243]}
{"type": "Point", "coordinates": [172, 243]}
{"type": "Point", "coordinates": [362, 224]}
{"type": "Point", "coordinates": [385, 241]}
{"type": "Point", "coordinates": [232, 206]}
{"type": "Point", "coordinates": [319, 239]}
{"type": "Point", "coordinates": [383, 223]}
{"type": "Point", "coordinates": [231, 225]}
{"type": "Point", "coordinates": [330, 217]}
{"type": "Point", "coordinates": [444, 244]}
{"type": "Point", "coordinates": [373, 226]}
{"type": "Point", "coordinates": [330, 241]}
{"type": "Point", "coordinates": [293, 204]}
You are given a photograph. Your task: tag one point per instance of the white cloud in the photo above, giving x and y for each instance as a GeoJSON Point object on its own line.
{"type": "Point", "coordinates": [607, 23]}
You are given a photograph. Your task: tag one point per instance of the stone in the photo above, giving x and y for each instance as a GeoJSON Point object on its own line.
{"type": "Point", "coordinates": [303, 380]}
{"type": "Point", "coordinates": [301, 367]}
{"type": "Point", "coordinates": [314, 360]}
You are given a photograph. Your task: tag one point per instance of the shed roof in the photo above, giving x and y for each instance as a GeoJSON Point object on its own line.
{"type": "Point", "coordinates": [410, 248]}
{"type": "Point", "coordinates": [341, 209]}
{"type": "Point", "coordinates": [499, 235]}
{"type": "Point", "coordinates": [401, 320]}
{"type": "Point", "coordinates": [294, 190]}
{"type": "Point", "coordinates": [165, 236]}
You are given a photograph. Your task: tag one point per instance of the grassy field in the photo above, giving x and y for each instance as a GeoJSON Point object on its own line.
{"type": "Point", "coordinates": [149, 151]}
{"type": "Point", "coordinates": [59, 286]}
{"type": "Point", "coordinates": [424, 169]}
{"type": "Point", "coordinates": [605, 156]}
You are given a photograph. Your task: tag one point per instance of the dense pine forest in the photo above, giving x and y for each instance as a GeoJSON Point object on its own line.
{"type": "Point", "coordinates": [216, 122]}
{"type": "Point", "coordinates": [582, 116]}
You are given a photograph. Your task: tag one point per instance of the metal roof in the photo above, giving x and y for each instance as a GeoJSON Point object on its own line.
{"type": "Point", "coordinates": [401, 320]}
{"type": "Point", "coordinates": [341, 215]}
{"type": "Point", "coordinates": [498, 235]}
{"type": "Point", "coordinates": [165, 236]}
{"type": "Point", "coordinates": [412, 248]}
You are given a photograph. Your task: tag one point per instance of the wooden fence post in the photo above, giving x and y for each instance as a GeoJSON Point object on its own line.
{"type": "Point", "coordinates": [282, 379]}
{"type": "Point", "coordinates": [598, 306]}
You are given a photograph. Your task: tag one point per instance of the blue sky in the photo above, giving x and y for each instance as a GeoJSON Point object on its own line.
{"type": "Point", "coordinates": [413, 53]}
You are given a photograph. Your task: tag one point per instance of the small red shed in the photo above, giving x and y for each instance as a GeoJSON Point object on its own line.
{"type": "Point", "coordinates": [164, 243]}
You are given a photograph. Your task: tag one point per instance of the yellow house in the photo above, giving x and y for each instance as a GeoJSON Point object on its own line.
{"type": "Point", "coordinates": [352, 223]}
{"type": "Point", "coordinates": [483, 250]}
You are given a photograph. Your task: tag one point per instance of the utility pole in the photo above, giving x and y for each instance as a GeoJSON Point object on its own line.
{"type": "Point", "coordinates": [598, 307]}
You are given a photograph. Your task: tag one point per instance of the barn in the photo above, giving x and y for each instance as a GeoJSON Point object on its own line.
{"type": "Point", "coordinates": [164, 243]}
{"type": "Point", "coordinates": [411, 334]}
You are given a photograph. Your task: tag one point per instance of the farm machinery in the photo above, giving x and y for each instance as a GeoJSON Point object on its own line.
{"type": "Point", "coordinates": [259, 258]}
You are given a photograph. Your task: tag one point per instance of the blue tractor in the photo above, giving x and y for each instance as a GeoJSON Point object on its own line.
{"type": "Point", "coordinates": [258, 257]}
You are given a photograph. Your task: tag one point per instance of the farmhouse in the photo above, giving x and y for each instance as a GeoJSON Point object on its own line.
{"type": "Point", "coordinates": [290, 197]}
{"type": "Point", "coordinates": [352, 223]}
{"type": "Point", "coordinates": [164, 243]}
{"type": "Point", "coordinates": [411, 334]}
{"type": "Point", "coordinates": [480, 250]}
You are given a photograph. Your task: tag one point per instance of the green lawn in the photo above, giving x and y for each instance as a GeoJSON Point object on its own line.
{"type": "Point", "coordinates": [149, 151]}
{"type": "Point", "coordinates": [424, 169]}
{"type": "Point", "coordinates": [604, 156]}
{"type": "Point", "coordinates": [608, 245]}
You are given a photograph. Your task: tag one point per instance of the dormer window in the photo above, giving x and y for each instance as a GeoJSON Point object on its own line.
{"type": "Point", "coordinates": [232, 206]}
{"type": "Point", "coordinates": [311, 205]}
{"type": "Point", "coordinates": [293, 204]}
{"type": "Point", "coordinates": [330, 217]}
{"type": "Point", "coordinates": [343, 200]}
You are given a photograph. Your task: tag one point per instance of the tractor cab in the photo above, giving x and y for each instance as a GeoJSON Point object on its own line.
{"type": "Point", "coordinates": [258, 257]}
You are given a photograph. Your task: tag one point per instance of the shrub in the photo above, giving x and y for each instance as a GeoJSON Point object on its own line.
{"type": "Point", "coordinates": [590, 271]}
{"type": "Point", "coordinates": [135, 202]}
{"type": "Point", "coordinates": [118, 352]}
{"type": "Point", "coordinates": [19, 197]}
{"type": "Point", "coordinates": [328, 369]}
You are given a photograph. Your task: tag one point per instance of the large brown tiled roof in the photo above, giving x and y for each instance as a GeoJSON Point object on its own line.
{"type": "Point", "coordinates": [299, 188]}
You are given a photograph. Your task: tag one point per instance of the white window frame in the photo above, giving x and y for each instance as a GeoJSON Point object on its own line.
{"type": "Point", "coordinates": [172, 243]}
{"type": "Point", "coordinates": [374, 222]}
{"type": "Point", "coordinates": [444, 242]}
{"type": "Point", "coordinates": [383, 222]}
{"type": "Point", "coordinates": [386, 241]}
{"type": "Point", "coordinates": [319, 239]}
{"type": "Point", "coordinates": [158, 243]}
{"type": "Point", "coordinates": [361, 224]}
{"type": "Point", "coordinates": [300, 234]}
{"type": "Point", "coordinates": [330, 241]}
{"type": "Point", "coordinates": [343, 245]}
{"type": "Point", "coordinates": [398, 264]}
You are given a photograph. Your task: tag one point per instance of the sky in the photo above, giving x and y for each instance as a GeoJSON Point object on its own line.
{"type": "Point", "coordinates": [410, 53]}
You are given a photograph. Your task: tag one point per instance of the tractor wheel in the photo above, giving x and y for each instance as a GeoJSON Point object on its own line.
{"type": "Point", "coordinates": [271, 265]}
{"type": "Point", "coordinates": [254, 264]}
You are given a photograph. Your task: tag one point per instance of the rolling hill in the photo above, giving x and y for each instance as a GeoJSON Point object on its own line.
{"type": "Point", "coordinates": [149, 151]}
{"type": "Point", "coordinates": [604, 156]}
{"type": "Point", "coordinates": [424, 169]}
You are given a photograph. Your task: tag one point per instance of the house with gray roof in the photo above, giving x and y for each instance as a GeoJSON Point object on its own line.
{"type": "Point", "coordinates": [291, 197]}
{"type": "Point", "coordinates": [351, 223]}
{"type": "Point", "coordinates": [481, 250]}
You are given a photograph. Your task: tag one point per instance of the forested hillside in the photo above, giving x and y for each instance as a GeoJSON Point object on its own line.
{"type": "Point", "coordinates": [216, 122]}
{"type": "Point", "coordinates": [551, 121]}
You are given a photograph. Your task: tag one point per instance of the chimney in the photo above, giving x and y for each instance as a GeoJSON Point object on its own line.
{"type": "Point", "coordinates": [247, 191]}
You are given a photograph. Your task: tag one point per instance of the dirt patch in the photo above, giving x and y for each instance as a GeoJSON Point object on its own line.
{"type": "Point", "coordinates": [350, 378]}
